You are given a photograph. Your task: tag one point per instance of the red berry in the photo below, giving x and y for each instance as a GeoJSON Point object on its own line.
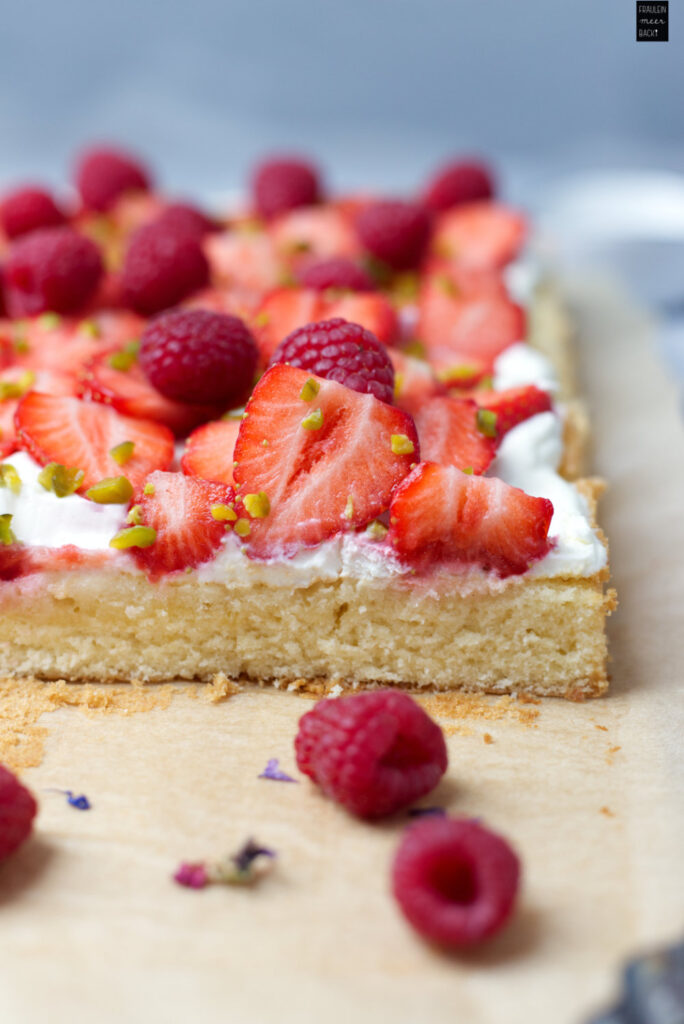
{"type": "Point", "coordinates": [161, 268]}
{"type": "Point", "coordinates": [197, 356]}
{"type": "Point", "coordinates": [185, 219]}
{"type": "Point", "coordinates": [104, 174]}
{"type": "Point", "coordinates": [455, 881]}
{"type": "Point", "coordinates": [283, 184]}
{"type": "Point", "coordinates": [27, 209]}
{"type": "Point", "coordinates": [341, 351]}
{"type": "Point", "coordinates": [17, 811]}
{"type": "Point", "coordinates": [448, 432]}
{"type": "Point", "coordinates": [374, 752]}
{"type": "Point", "coordinates": [336, 272]}
{"type": "Point", "coordinates": [395, 232]}
{"type": "Point", "coordinates": [53, 269]}
{"type": "Point", "coordinates": [463, 181]}
{"type": "Point", "coordinates": [479, 236]}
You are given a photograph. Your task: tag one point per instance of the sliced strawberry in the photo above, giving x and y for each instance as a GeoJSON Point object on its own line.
{"type": "Point", "coordinates": [179, 509]}
{"type": "Point", "coordinates": [440, 514]}
{"type": "Point", "coordinates": [373, 311]}
{"type": "Point", "coordinates": [243, 259]}
{"type": "Point", "coordinates": [319, 480]}
{"type": "Point", "coordinates": [54, 428]}
{"type": "Point", "coordinates": [64, 347]}
{"type": "Point", "coordinates": [6, 349]}
{"type": "Point", "coordinates": [513, 405]}
{"type": "Point", "coordinates": [448, 433]}
{"type": "Point", "coordinates": [8, 434]}
{"type": "Point", "coordinates": [479, 236]}
{"type": "Point", "coordinates": [414, 381]}
{"type": "Point", "coordinates": [315, 231]}
{"type": "Point", "coordinates": [47, 381]}
{"type": "Point", "coordinates": [130, 393]}
{"type": "Point", "coordinates": [283, 310]}
{"type": "Point", "coordinates": [458, 329]}
{"type": "Point", "coordinates": [209, 451]}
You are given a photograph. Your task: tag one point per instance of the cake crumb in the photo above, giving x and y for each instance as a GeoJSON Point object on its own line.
{"type": "Point", "coordinates": [488, 738]}
{"type": "Point", "coordinates": [219, 689]}
{"type": "Point", "coordinates": [455, 707]}
{"type": "Point", "coordinates": [603, 728]}
{"type": "Point", "coordinates": [612, 751]}
{"type": "Point", "coordinates": [607, 811]}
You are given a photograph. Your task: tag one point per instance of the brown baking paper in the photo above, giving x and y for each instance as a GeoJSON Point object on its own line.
{"type": "Point", "coordinates": [93, 929]}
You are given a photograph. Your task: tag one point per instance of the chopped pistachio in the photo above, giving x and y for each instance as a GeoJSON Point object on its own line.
{"type": "Point", "coordinates": [6, 535]}
{"type": "Point", "coordinates": [134, 537]}
{"type": "Point", "coordinates": [416, 349]}
{"type": "Point", "coordinates": [113, 490]}
{"type": "Point", "coordinates": [90, 328]}
{"type": "Point", "coordinates": [458, 373]}
{"type": "Point", "coordinates": [10, 478]}
{"type": "Point", "coordinates": [125, 357]}
{"type": "Point", "coordinates": [405, 286]}
{"type": "Point", "coordinates": [123, 452]}
{"type": "Point", "coordinates": [257, 505]}
{"type": "Point", "coordinates": [262, 319]}
{"type": "Point", "coordinates": [376, 530]}
{"type": "Point", "coordinates": [233, 414]}
{"type": "Point", "coordinates": [134, 516]}
{"type": "Point", "coordinates": [485, 421]}
{"type": "Point", "coordinates": [398, 384]}
{"type": "Point", "coordinates": [21, 346]}
{"type": "Point", "coordinates": [264, 443]}
{"type": "Point", "coordinates": [148, 489]}
{"type": "Point", "coordinates": [61, 480]}
{"type": "Point", "coordinates": [314, 421]}
{"type": "Point", "coordinates": [402, 445]}
{"type": "Point", "coordinates": [224, 513]}
{"type": "Point", "coordinates": [17, 388]}
{"type": "Point", "coordinates": [49, 321]}
{"type": "Point", "coordinates": [309, 390]}
{"type": "Point", "coordinates": [349, 508]}
{"type": "Point", "coordinates": [468, 470]}
{"type": "Point", "coordinates": [242, 528]}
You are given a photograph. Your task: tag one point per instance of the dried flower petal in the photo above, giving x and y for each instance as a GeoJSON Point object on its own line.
{"type": "Point", "coordinates": [273, 771]}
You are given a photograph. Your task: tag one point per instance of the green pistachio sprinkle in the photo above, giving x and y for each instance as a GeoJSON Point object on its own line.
{"type": "Point", "coordinates": [21, 346]}
{"type": "Point", "coordinates": [376, 530]}
{"type": "Point", "coordinates": [123, 452]}
{"type": "Point", "coordinates": [125, 357]}
{"type": "Point", "coordinates": [113, 490]}
{"type": "Point", "coordinates": [61, 480]}
{"type": "Point", "coordinates": [264, 443]}
{"type": "Point", "coordinates": [6, 535]}
{"type": "Point", "coordinates": [242, 528]}
{"type": "Point", "coordinates": [134, 516]}
{"type": "Point", "coordinates": [134, 537]}
{"type": "Point", "coordinates": [233, 414]}
{"type": "Point", "coordinates": [17, 388]}
{"type": "Point", "coordinates": [468, 470]}
{"type": "Point", "coordinates": [416, 349]}
{"type": "Point", "coordinates": [49, 321]}
{"type": "Point", "coordinates": [402, 445]}
{"type": "Point", "coordinates": [398, 384]}
{"type": "Point", "coordinates": [405, 286]}
{"type": "Point", "coordinates": [89, 328]}
{"type": "Point", "coordinates": [148, 489]}
{"type": "Point", "coordinates": [455, 374]}
{"type": "Point", "coordinates": [314, 421]}
{"type": "Point", "coordinates": [262, 319]}
{"type": "Point", "coordinates": [485, 421]}
{"type": "Point", "coordinates": [224, 513]}
{"type": "Point", "coordinates": [257, 505]}
{"type": "Point", "coordinates": [10, 478]}
{"type": "Point", "coordinates": [309, 390]}
{"type": "Point", "coordinates": [349, 508]}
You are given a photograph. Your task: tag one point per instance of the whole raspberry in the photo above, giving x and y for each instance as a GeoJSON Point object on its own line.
{"type": "Point", "coordinates": [201, 357]}
{"type": "Point", "coordinates": [17, 811]}
{"type": "Point", "coordinates": [27, 209]}
{"type": "Point", "coordinates": [340, 351]}
{"type": "Point", "coordinates": [454, 880]}
{"type": "Point", "coordinates": [53, 269]}
{"type": "Point", "coordinates": [183, 218]}
{"type": "Point", "coordinates": [374, 752]}
{"type": "Point", "coordinates": [282, 184]}
{"type": "Point", "coordinates": [161, 268]}
{"type": "Point", "coordinates": [336, 272]}
{"type": "Point", "coordinates": [395, 232]}
{"type": "Point", "coordinates": [462, 181]}
{"type": "Point", "coordinates": [103, 174]}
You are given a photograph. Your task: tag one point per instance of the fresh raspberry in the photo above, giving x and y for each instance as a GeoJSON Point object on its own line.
{"type": "Point", "coordinates": [283, 184]}
{"type": "Point", "coordinates": [185, 219]}
{"type": "Point", "coordinates": [463, 181]}
{"type": "Point", "coordinates": [374, 752]}
{"type": "Point", "coordinates": [395, 232]}
{"type": "Point", "coordinates": [17, 811]}
{"type": "Point", "coordinates": [161, 268]}
{"type": "Point", "coordinates": [53, 269]}
{"type": "Point", "coordinates": [454, 880]}
{"type": "Point", "coordinates": [27, 209]}
{"type": "Point", "coordinates": [104, 174]}
{"type": "Point", "coordinates": [336, 272]}
{"type": "Point", "coordinates": [197, 356]}
{"type": "Point", "coordinates": [340, 351]}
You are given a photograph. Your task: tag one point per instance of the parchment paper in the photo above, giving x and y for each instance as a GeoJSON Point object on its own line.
{"type": "Point", "coordinates": [92, 928]}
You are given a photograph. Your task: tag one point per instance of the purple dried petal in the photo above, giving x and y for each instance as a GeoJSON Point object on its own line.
{"type": "Point", "coordinates": [193, 876]}
{"type": "Point", "coordinates": [81, 803]}
{"type": "Point", "coordinates": [272, 771]}
{"type": "Point", "coordinates": [249, 852]}
{"type": "Point", "coordinates": [424, 812]}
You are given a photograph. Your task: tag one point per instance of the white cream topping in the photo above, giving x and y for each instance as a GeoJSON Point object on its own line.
{"type": "Point", "coordinates": [522, 277]}
{"type": "Point", "coordinates": [521, 364]}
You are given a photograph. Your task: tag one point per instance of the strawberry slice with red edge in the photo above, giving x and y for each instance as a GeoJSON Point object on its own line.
{"type": "Point", "coordinates": [479, 236]}
{"type": "Point", "coordinates": [414, 381]}
{"type": "Point", "coordinates": [243, 259]}
{"type": "Point", "coordinates": [209, 451]}
{"type": "Point", "coordinates": [315, 231]}
{"type": "Point", "coordinates": [449, 434]}
{"type": "Point", "coordinates": [130, 393]}
{"type": "Point", "coordinates": [78, 434]}
{"type": "Point", "coordinates": [179, 508]}
{"type": "Point", "coordinates": [439, 514]}
{"type": "Point", "coordinates": [281, 312]}
{"type": "Point", "coordinates": [513, 406]}
{"type": "Point", "coordinates": [373, 311]}
{"type": "Point", "coordinates": [326, 457]}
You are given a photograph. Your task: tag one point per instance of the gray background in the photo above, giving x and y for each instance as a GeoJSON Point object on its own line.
{"type": "Point", "coordinates": [377, 90]}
